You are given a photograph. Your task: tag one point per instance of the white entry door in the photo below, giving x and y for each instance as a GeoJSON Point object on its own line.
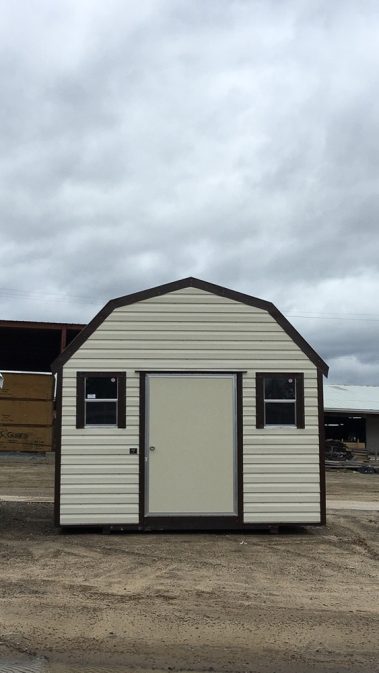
{"type": "Point", "coordinates": [191, 445]}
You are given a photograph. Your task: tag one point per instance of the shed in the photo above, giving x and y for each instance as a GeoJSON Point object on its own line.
{"type": "Point", "coordinates": [189, 406]}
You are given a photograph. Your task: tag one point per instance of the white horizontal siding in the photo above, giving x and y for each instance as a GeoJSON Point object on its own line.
{"type": "Point", "coordinates": [267, 490]}
{"type": "Point", "coordinates": [152, 335]}
{"type": "Point", "coordinates": [99, 479]}
{"type": "Point", "coordinates": [93, 442]}
{"type": "Point", "coordinates": [98, 459]}
{"type": "Point", "coordinates": [279, 458]}
{"type": "Point", "coordinates": [276, 516]}
{"type": "Point", "coordinates": [203, 323]}
{"type": "Point", "coordinates": [154, 347]}
{"type": "Point", "coordinates": [98, 498]}
{"type": "Point", "coordinates": [91, 452]}
{"type": "Point", "coordinates": [186, 361]}
{"type": "Point", "coordinates": [98, 508]}
{"type": "Point", "coordinates": [105, 468]}
{"type": "Point", "coordinates": [279, 478]}
{"type": "Point", "coordinates": [97, 489]}
{"type": "Point", "coordinates": [82, 518]}
{"type": "Point", "coordinates": [283, 441]}
{"type": "Point", "coordinates": [284, 450]}
{"type": "Point", "coordinates": [189, 330]}
{"type": "Point", "coordinates": [287, 498]}
{"type": "Point", "coordinates": [274, 468]}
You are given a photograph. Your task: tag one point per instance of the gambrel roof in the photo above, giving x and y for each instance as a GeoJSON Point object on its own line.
{"type": "Point", "coordinates": [200, 285]}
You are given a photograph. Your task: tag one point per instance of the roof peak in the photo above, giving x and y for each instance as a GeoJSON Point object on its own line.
{"type": "Point", "coordinates": [191, 281]}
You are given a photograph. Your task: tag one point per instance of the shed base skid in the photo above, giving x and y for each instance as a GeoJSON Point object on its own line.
{"type": "Point", "coordinates": [273, 528]}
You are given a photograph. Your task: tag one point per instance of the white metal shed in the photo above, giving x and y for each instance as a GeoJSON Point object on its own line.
{"type": "Point", "coordinates": [189, 406]}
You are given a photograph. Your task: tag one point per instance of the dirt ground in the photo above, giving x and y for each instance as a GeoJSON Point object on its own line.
{"type": "Point", "coordinates": [299, 601]}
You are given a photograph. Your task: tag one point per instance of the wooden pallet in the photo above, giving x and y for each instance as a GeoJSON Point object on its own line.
{"type": "Point", "coordinates": [361, 454]}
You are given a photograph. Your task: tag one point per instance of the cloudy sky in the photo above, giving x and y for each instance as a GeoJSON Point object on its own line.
{"type": "Point", "coordinates": [233, 140]}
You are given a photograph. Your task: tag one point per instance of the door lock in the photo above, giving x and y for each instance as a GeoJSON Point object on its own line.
{"type": "Point", "coordinates": [152, 448]}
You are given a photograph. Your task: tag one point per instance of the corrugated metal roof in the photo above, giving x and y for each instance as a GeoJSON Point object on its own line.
{"type": "Point", "coordinates": [363, 399]}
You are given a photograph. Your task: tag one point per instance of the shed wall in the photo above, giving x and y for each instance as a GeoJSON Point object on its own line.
{"type": "Point", "coordinates": [189, 329]}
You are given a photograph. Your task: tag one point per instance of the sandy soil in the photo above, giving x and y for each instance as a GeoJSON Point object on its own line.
{"type": "Point", "coordinates": [26, 476]}
{"type": "Point", "coordinates": [299, 601]}
{"type": "Point", "coordinates": [352, 485]}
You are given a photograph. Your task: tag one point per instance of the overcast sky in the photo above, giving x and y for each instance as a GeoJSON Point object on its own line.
{"type": "Point", "coordinates": [236, 141]}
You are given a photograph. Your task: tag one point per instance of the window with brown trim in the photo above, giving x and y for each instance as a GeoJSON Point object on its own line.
{"type": "Point", "coordinates": [101, 399]}
{"type": "Point", "coordinates": [279, 400]}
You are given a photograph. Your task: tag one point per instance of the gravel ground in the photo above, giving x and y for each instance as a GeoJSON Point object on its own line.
{"type": "Point", "coordinates": [303, 600]}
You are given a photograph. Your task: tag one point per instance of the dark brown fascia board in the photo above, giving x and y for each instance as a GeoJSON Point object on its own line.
{"type": "Point", "coordinates": [321, 434]}
{"type": "Point", "coordinates": [57, 430]}
{"type": "Point", "coordinates": [30, 324]}
{"type": "Point", "coordinates": [200, 285]}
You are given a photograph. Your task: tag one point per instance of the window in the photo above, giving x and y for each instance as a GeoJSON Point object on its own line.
{"type": "Point", "coordinates": [101, 399]}
{"type": "Point", "coordinates": [280, 400]}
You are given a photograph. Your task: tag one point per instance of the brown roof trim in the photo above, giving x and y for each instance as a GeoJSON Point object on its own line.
{"type": "Point", "coordinates": [321, 435]}
{"type": "Point", "coordinates": [30, 324]}
{"type": "Point", "coordinates": [200, 285]}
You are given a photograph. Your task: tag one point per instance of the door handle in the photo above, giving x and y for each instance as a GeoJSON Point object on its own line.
{"type": "Point", "coordinates": [152, 448]}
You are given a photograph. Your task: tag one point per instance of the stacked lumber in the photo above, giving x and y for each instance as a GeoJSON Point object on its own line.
{"type": "Point", "coordinates": [361, 454]}
{"type": "Point", "coordinates": [26, 412]}
{"type": "Point", "coordinates": [359, 451]}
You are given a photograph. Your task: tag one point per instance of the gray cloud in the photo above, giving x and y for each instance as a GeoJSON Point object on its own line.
{"type": "Point", "coordinates": [235, 141]}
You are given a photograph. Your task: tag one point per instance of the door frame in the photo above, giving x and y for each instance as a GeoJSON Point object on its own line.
{"type": "Point", "coordinates": [202, 522]}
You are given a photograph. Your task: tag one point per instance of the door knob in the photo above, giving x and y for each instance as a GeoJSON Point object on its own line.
{"type": "Point", "coordinates": [152, 448]}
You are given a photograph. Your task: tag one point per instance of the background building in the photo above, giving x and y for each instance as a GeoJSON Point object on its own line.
{"type": "Point", "coordinates": [352, 415]}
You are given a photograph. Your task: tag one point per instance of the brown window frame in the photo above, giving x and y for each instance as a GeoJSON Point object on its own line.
{"type": "Point", "coordinates": [80, 398]}
{"type": "Point", "coordinates": [260, 399]}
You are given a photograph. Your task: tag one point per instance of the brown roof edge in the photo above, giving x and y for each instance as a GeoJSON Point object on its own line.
{"type": "Point", "coordinates": [200, 285]}
{"type": "Point", "coordinates": [32, 324]}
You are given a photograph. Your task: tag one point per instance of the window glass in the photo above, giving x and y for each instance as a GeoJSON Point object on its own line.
{"type": "Point", "coordinates": [280, 399]}
{"type": "Point", "coordinates": [282, 413]}
{"type": "Point", "coordinates": [101, 399]}
{"type": "Point", "coordinates": [279, 388]}
{"type": "Point", "coordinates": [101, 413]}
{"type": "Point", "coordinates": [101, 388]}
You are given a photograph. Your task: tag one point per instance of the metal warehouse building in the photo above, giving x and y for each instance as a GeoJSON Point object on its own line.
{"type": "Point", "coordinates": [189, 406]}
{"type": "Point", "coordinates": [352, 415]}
